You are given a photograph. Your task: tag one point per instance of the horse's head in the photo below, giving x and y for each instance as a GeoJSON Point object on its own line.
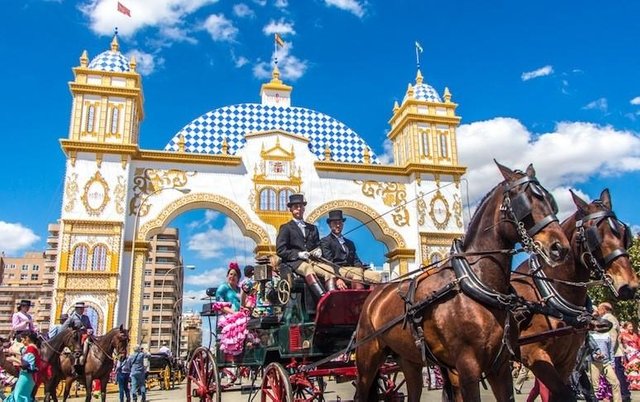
{"type": "Point", "coordinates": [528, 216]}
{"type": "Point", "coordinates": [601, 241]}
{"type": "Point", "coordinates": [120, 341]}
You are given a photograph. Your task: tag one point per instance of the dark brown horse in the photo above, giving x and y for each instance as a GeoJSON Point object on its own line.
{"type": "Point", "coordinates": [469, 334]}
{"type": "Point", "coordinates": [598, 244]}
{"type": "Point", "coordinates": [98, 364]}
{"type": "Point", "coordinates": [51, 351]}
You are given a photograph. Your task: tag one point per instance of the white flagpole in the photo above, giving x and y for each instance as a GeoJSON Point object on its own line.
{"type": "Point", "coordinates": [275, 50]}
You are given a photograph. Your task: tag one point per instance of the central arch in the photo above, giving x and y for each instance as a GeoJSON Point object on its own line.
{"type": "Point", "coordinates": [206, 201]}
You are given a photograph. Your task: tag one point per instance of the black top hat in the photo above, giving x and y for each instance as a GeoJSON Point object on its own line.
{"type": "Point", "coordinates": [25, 302]}
{"type": "Point", "coordinates": [296, 199]}
{"type": "Point", "coordinates": [335, 215]}
{"type": "Point", "coordinates": [80, 305]}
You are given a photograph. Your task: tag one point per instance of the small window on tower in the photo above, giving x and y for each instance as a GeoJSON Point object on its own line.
{"type": "Point", "coordinates": [90, 116]}
{"type": "Point", "coordinates": [424, 138]}
{"type": "Point", "coordinates": [443, 146]}
{"type": "Point", "coordinates": [115, 115]}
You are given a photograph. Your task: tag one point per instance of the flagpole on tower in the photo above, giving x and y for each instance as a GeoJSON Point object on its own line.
{"type": "Point", "coordinates": [277, 41]}
{"type": "Point", "coordinates": [418, 51]}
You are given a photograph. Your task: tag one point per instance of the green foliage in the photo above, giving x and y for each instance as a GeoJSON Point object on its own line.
{"type": "Point", "coordinates": [623, 310]}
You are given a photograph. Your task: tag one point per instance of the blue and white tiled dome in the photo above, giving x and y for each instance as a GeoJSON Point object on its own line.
{"type": "Point", "coordinates": [110, 61]}
{"type": "Point", "coordinates": [207, 133]}
{"type": "Point", "coordinates": [425, 92]}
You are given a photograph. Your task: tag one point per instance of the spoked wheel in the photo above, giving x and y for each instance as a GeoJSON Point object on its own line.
{"type": "Point", "coordinates": [275, 384]}
{"type": "Point", "coordinates": [306, 389]}
{"type": "Point", "coordinates": [389, 387]}
{"type": "Point", "coordinates": [203, 377]}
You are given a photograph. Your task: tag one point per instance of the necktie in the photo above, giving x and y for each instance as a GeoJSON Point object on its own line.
{"type": "Point", "coordinates": [341, 241]}
{"type": "Point", "coordinates": [301, 225]}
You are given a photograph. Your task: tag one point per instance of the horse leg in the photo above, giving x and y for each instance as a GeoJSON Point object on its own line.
{"type": "Point", "coordinates": [469, 373]}
{"type": "Point", "coordinates": [501, 382]}
{"type": "Point", "coordinates": [545, 371]}
{"type": "Point", "coordinates": [68, 383]}
{"type": "Point", "coordinates": [88, 387]}
{"type": "Point", "coordinates": [103, 387]}
{"type": "Point", "coordinates": [369, 357]}
{"type": "Point", "coordinates": [413, 377]}
{"type": "Point", "coordinates": [448, 388]}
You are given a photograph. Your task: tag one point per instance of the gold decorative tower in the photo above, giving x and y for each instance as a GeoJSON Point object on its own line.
{"type": "Point", "coordinates": [423, 127]}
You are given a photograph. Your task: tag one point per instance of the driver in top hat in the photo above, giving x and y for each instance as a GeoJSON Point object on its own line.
{"type": "Point", "coordinates": [298, 240]}
{"type": "Point", "coordinates": [342, 252]}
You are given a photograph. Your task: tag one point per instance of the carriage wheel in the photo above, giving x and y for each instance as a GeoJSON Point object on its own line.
{"type": "Point", "coordinates": [389, 388]}
{"type": "Point", "coordinates": [306, 389]}
{"type": "Point", "coordinates": [166, 377]}
{"type": "Point", "coordinates": [60, 388]}
{"type": "Point", "coordinates": [202, 377]}
{"type": "Point", "coordinates": [284, 292]}
{"type": "Point", "coordinates": [275, 384]}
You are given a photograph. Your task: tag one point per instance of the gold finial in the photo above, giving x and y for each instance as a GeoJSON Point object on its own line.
{"type": "Point", "coordinates": [410, 92]}
{"type": "Point", "coordinates": [278, 141]}
{"type": "Point", "coordinates": [395, 106]}
{"type": "Point", "coordinates": [84, 59]}
{"type": "Point", "coordinates": [275, 75]}
{"type": "Point", "coordinates": [327, 154]}
{"type": "Point", "coordinates": [225, 147]}
{"type": "Point", "coordinates": [115, 47]}
{"type": "Point", "coordinates": [419, 78]}
{"type": "Point", "coordinates": [181, 143]}
{"type": "Point", "coordinates": [366, 156]}
{"type": "Point", "coordinates": [132, 63]}
{"type": "Point", "coordinates": [447, 95]}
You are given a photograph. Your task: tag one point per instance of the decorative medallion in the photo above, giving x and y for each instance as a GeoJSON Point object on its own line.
{"type": "Point", "coordinates": [147, 181]}
{"type": "Point", "coordinates": [457, 210]}
{"type": "Point", "coordinates": [119, 192]}
{"type": "Point", "coordinates": [96, 195]}
{"type": "Point", "coordinates": [439, 211]}
{"type": "Point", "coordinates": [393, 195]}
{"type": "Point", "coordinates": [71, 190]}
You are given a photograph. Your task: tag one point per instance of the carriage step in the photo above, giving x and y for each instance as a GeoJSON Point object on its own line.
{"type": "Point", "coordinates": [248, 389]}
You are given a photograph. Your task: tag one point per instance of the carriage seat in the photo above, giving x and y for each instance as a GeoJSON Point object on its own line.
{"type": "Point", "coordinates": [264, 322]}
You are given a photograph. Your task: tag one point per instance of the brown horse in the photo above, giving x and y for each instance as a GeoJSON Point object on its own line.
{"type": "Point", "coordinates": [598, 244]}
{"type": "Point", "coordinates": [50, 351]}
{"type": "Point", "coordinates": [98, 364]}
{"type": "Point", "coordinates": [467, 329]}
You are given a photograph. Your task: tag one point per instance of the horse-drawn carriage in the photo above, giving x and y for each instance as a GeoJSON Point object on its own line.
{"type": "Point", "coordinates": [161, 371]}
{"type": "Point", "coordinates": [461, 315]}
{"type": "Point", "coordinates": [298, 344]}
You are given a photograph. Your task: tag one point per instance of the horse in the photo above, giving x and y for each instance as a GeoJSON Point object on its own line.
{"type": "Point", "coordinates": [50, 351]}
{"type": "Point", "coordinates": [459, 316]}
{"type": "Point", "coordinates": [98, 364]}
{"type": "Point", "coordinates": [598, 244]}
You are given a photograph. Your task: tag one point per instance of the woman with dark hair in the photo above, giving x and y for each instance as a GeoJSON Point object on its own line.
{"type": "Point", "coordinates": [21, 320]}
{"type": "Point", "coordinates": [233, 319]}
{"type": "Point", "coordinates": [29, 364]}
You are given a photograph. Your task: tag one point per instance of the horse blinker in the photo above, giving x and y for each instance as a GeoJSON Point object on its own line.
{"type": "Point", "coordinates": [521, 206]}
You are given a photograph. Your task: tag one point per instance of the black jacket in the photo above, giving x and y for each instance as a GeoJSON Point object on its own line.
{"type": "Point", "coordinates": [332, 251]}
{"type": "Point", "coordinates": [290, 242]}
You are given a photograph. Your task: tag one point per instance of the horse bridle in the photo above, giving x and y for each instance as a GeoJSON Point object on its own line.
{"type": "Point", "coordinates": [519, 208]}
{"type": "Point", "coordinates": [590, 241]}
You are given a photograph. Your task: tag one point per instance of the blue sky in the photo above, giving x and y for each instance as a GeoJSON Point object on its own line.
{"type": "Point", "coordinates": [553, 83]}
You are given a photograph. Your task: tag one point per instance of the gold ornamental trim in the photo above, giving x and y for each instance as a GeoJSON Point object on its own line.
{"type": "Point", "coordinates": [92, 193]}
{"type": "Point", "coordinates": [148, 181]}
{"type": "Point", "coordinates": [406, 170]}
{"type": "Point", "coordinates": [187, 157]}
{"type": "Point", "coordinates": [401, 253]}
{"type": "Point", "coordinates": [140, 245]}
{"type": "Point", "coordinates": [393, 195]}
{"type": "Point", "coordinates": [70, 146]}
{"type": "Point", "coordinates": [438, 238]}
{"type": "Point", "coordinates": [364, 213]}
{"type": "Point", "coordinates": [71, 189]}
{"type": "Point", "coordinates": [209, 201]}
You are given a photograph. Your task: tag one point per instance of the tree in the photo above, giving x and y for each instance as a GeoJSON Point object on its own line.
{"type": "Point", "coordinates": [623, 310]}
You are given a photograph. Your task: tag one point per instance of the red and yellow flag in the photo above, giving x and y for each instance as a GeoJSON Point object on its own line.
{"type": "Point", "coordinates": [279, 40]}
{"type": "Point", "coordinates": [124, 10]}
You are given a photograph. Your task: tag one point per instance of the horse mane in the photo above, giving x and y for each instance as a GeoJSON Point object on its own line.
{"type": "Point", "coordinates": [478, 213]}
{"type": "Point", "coordinates": [51, 346]}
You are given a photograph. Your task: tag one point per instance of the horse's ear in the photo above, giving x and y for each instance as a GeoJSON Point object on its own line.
{"type": "Point", "coordinates": [121, 328]}
{"type": "Point", "coordinates": [531, 172]}
{"type": "Point", "coordinates": [605, 197]}
{"type": "Point", "coordinates": [580, 203]}
{"type": "Point", "coordinates": [507, 173]}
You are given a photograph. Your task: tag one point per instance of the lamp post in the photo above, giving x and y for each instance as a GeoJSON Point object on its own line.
{"type": "Point", "coordinates": [179, 326]}
{"type": "Point", "coordinates": [164, 278]}
{"type": "Point", "coordinates": [136, 221]}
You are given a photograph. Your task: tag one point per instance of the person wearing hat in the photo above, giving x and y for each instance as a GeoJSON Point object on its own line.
{"type": "Point", "coordinates": [22, 321]}
{"type": "Point", "coordinates": [342, 252]}
{"type": "Point", "coordinates": [79, 319]}
{"type": "Point", "coordinates": [138, 372]}
{"type": "Point", "coordinates": [55, 329]}
{"type": "Point", "coordinates": [298, 240]}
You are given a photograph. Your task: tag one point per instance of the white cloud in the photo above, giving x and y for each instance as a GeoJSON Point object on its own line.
{"type": "Point", "coordinates": [573, 153]}
{"type": "Point", "coordinates": [192, 298]}
{"type": "Point", "coordinates": [205, 278]}
{"type": "Point", "coordinates": [635, 101]}
{"type": "Point", "coordinates": [598, 104]}
{"type": "Point", "coordinates": [220, 28]}
{"type": "Point", "coordinates": [281, 3]}
{"type": "Point", "coordinates": [104, 16]}
{"type": "Point", "coordinates": [261, 3]}
{"type": "Point", "coordinates": [541, 72]}
{"type": "Point", "coordinates": [15, 237]}
{"type": "Point", "coordinates": [281, 27]}
{"type": "Point", "coordinates": [353, 6]}
{"type": "Point", "coordinates": [635, 229]}
{"type": "Point", "coordinates": [227, 242]}
{"type": "Point", "coordinates": [387, 156]}
{"type": "Point", "coordinates": [146, 62]}
{"type": "Point", "coordinates": [209, 216]}
{"type": "Point", "coordinates": [242, 10]}
{"type": "Point", "coordinates": [239, 61]}
{"type": "Point", "coordinates": [290, 66]}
